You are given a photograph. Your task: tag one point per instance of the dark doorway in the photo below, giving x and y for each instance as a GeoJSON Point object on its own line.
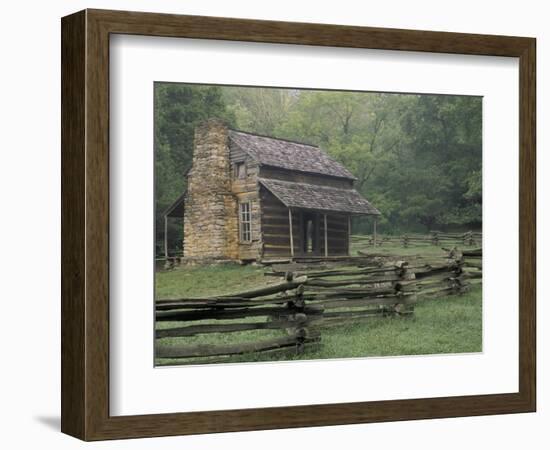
{"type": "Point", "coordinates": [310, 234]}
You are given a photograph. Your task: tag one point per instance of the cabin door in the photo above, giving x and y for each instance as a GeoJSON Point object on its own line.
{"type": "Point", "coordinates": [309, 233]}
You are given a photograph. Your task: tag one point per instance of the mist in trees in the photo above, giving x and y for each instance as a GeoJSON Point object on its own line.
{"type": "Point", "coordinates": [417, 158]}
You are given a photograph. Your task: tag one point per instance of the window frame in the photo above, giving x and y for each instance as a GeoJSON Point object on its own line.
{"type": "Point", "coordinates": [245, 220]}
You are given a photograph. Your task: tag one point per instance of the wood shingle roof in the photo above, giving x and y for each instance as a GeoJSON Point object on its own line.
{"type": "Point", "coordinates": [319, 198]}
{"type": "Point", "coordinates": [288, 155]}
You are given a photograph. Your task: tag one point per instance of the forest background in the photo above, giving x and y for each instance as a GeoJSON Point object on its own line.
{"type": "Point", "coordinates": [417, 157]}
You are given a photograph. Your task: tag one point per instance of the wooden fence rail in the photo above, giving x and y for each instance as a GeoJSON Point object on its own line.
{"type": "Point", "coordinates": [436, 238]}
{"type": "Point", "coordinates": [282, 306]}
{"type": "Point", "coordinates": [312, 294]}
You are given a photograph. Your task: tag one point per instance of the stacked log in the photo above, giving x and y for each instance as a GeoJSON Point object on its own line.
{"type": "Point", "coordinates": [282, 306]}
{"type": "Point", "coordinates": [348, 293]}
{"type": "Point", "coordinates": [435, 238]}
{"type": "Point", "coordinates": [472, 264]}
{"type": "Point", "coordinates": [314, 294]}
{"type": "Point", "coordinates": [380, 278]}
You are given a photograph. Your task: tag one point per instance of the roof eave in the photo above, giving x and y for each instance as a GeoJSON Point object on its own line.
{"type": "Point", "coordinates": [174, 205]}
{"type": "Point", "coordinates": [332, 211]}
{"type": "Point", "coordinates": [340, 177]}
{"type": "Point", "coordinates": [250, 155]}
{"type": "Point", "coordinates": [245, 151]}
{"type": "Point", "coordinates": [265, 184]}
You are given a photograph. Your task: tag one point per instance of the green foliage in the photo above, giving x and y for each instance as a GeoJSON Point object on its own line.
{"type": "Point", "coordinates": [445, 140]}
{"type": "Point", "coordinates": [259, 109]}
{"type": "Point", "coordinates": [417, 158]}
{"type": "Point", "coordinates": [179, 108]}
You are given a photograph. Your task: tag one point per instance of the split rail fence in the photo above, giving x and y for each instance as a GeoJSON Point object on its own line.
{"type": "Point", "coordinates": [312, 295]}
{"type": "Point", "coordinates": [436, 238]}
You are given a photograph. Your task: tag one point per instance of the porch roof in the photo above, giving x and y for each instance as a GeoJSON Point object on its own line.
{"type": "Point", "coordinates": [319, 198]}
{"type": "Point", "coordinates": [176, 209]}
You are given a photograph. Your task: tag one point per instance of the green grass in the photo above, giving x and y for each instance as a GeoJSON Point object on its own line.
{"type": "Point", "coordinates": [397, 249]}
{"type": "Point", "coordinates": [203, 281]}
{"type": "Point", "coordinates": [450, 324]}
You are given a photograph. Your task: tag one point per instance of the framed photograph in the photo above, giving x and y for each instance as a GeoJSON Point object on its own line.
{"type": "Point", "coordinates": [273, 225]}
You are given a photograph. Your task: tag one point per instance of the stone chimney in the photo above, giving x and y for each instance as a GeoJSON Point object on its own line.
{"type": "Point", "coordinates": [210, 217]}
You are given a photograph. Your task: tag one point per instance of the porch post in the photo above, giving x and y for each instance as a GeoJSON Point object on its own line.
{"type": "Point", "coordinates": [374, 231]}
{"type": "Point", "coordinates": [349, 234]}
{"type": "Point", "coordinates": [166, 237]}
{"type": "Point", "coordinates": [326, 236]}
{"type": "Point", "coordinates": [291, 236]}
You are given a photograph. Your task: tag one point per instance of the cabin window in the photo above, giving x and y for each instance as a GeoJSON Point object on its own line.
{"type": "Point", "coordinates": [240, 170]}
{"type": "Point", "coordinates": [245, 234]}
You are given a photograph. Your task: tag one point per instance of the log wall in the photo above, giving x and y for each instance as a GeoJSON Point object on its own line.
{"type": "Point", "coordinates": [246, 190]}
{"type": "Point", "coordinates": [338, 242]}
{"type": "Point", "coordinates": [299, 177]}
{"type": "Point", "coordinates": [276, 230]}
{"type": "Point", "coordinates": [275, 227]}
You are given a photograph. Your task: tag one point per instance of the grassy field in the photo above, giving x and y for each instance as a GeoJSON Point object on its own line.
{"type": "Point", "coordinates": [450, 324]}
{"type": "Point", "coordinates": [397, 249]}
{"type": "Point", "coordinates": [209, 281]}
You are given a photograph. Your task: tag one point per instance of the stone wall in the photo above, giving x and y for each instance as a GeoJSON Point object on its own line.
{"type": "Point", "coordinates": [210, 218]}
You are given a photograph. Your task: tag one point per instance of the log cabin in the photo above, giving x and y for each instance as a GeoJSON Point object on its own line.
{"type": "Point", "coordinates": [251, 197]}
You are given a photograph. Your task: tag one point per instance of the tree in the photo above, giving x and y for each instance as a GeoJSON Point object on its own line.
{"type": "Point", "coordinates": [179, 108]}
{"type": "Point", "coordinates": [259, 110]}
{"type": "Point", "coordinates": [445, 137]}
{"type": "Point", "coordinates": [417, 158]}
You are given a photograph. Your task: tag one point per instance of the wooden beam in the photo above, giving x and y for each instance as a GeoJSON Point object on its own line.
{"type": "Point", "coordinates": [349, 234]}
{"type": "Point", "coordinates": [291, 235]}
{"type": "Point", "coordinates": [203, 350]}
{"type": "Point", "coordinates": [374, 231]}
{"type": "Point", "coordinates": [326, 235]}
{"type": "Point", "coordinates": [166, 237]}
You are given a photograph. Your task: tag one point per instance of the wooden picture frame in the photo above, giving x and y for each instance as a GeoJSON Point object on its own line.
{"type": "Point", "coordinates": [85, 224]}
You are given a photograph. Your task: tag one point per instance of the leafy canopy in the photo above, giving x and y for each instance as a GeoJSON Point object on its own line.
{"type": "Point", "coordinates": [417, 158]}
